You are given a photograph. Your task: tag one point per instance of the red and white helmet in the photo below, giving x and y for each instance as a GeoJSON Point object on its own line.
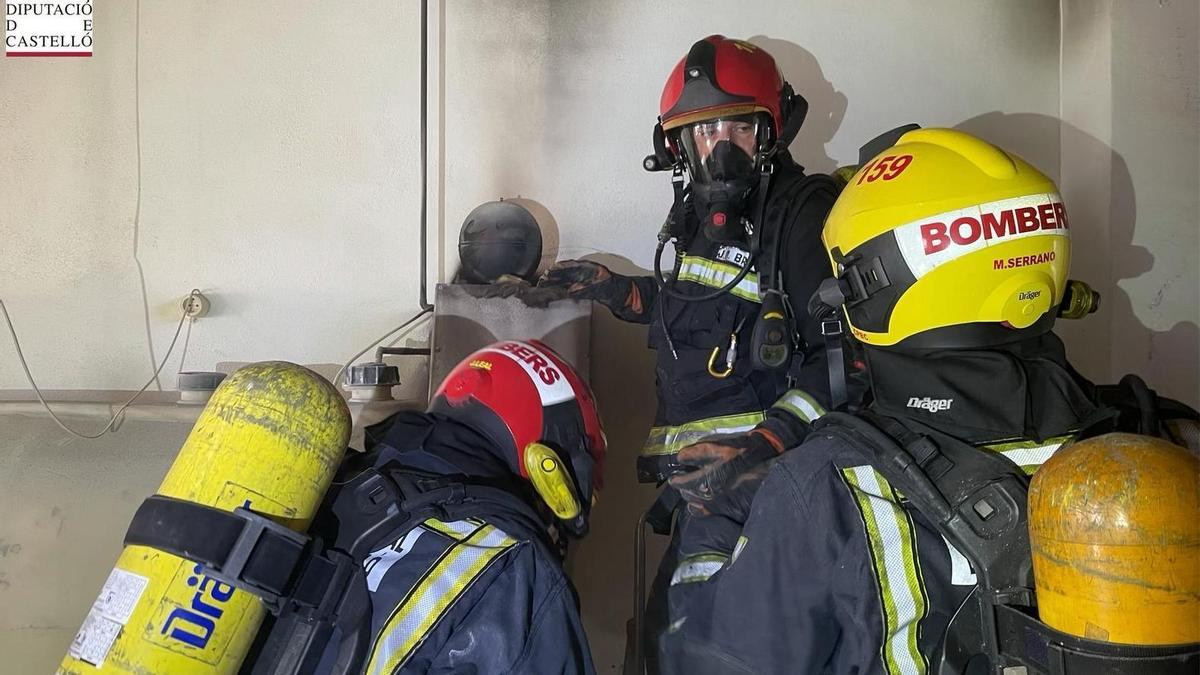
{"type": "Point", "coordinates": [542, 417]}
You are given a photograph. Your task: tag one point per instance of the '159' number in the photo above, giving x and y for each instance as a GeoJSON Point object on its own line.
{"type": "Point", "coordinates": [886, 168]}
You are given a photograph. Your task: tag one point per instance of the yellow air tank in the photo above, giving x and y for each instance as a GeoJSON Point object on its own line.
{"type": "Point", "coordinates": [1114, 523]}
{"type": "Point", "coordinates": [271, 437]}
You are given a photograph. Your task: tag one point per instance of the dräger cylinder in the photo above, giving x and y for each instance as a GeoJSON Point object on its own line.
{"type": "Point", "coordinates": [270, 439]}
{"type": "Point", "coordinates": [1114, 523]}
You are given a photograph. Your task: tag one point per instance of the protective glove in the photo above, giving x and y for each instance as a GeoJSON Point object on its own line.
{"type": "Point", "coordinates": [628, 298]}
{"type": "Point", "coordinates": [581, 278]}
{"type": "Point", "coordinates": [729, 471]}
{"type": "Point", "coordinates": [508, 286]}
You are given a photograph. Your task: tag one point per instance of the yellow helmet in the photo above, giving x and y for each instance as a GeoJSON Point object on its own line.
{"type": "Point", "coordinates": [944, 240]}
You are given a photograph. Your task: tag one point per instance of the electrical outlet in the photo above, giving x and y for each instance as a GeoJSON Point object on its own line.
{"type": "Point", "coordinates": [195, 305]}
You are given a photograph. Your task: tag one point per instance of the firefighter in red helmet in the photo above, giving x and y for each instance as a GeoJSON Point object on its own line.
{"type": "Point", "coordinates": [438, 549]}
{"type": "Point", "coordinates": [489, 483]}
{"type": "Point", "coordinates": [741, 368]}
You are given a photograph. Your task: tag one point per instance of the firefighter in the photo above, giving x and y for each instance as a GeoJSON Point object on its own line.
{"type": "Point", "coordinates": [746, 226]}
{"type": "Point", "coordinates": [499, 471]}
{"type": "Point", "coordinates": [951, 261]}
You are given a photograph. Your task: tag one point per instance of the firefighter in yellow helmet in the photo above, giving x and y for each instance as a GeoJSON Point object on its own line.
{"type": "Point", "coordinates": [890, 537]}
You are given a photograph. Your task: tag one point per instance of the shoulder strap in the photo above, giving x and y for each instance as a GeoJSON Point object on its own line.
{"type": "Point", "coordinates": [382, 502]}
{"type": "Point", "coordinates": [974, 498]}
{"type": "Point", "coordinates": [773, 230]}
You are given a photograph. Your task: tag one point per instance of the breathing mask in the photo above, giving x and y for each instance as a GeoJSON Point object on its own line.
{"type": "Point", "coordinates": [723, 162]}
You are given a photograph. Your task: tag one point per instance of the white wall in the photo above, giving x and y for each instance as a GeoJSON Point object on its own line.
{"type": "Point", "coordinates": [279, 172]}
{"type": "Point", "coordinates": [278, 169]}
{"type": "Point", "coordinates": [1131, 158]}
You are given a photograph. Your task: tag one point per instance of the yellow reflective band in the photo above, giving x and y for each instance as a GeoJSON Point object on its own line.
{"type": "Point", "coordinates": [892, 539]}
{"type": "Point", "coordinates": [715, 274]}
{"type": "Point", "coordinates": [457, 530]}
{"type": "Point", "coordinates": [667, 440]}
{"type": "Point", "coordinates": [432, 596]}
{"type": "Point", "coordinates": [801, 405]}
{"type": "Point", "coordinates": [738, 548]}
{"type": "Point", "coordinates": [1031, 455]}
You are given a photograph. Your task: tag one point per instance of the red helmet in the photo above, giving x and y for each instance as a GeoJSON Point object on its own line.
{"type": "Point", "coordinates": [721, 77]}
{"type": "Point", "coordinates": [725, 79]}
{"type": "Point", "coordinates": [533, 405]}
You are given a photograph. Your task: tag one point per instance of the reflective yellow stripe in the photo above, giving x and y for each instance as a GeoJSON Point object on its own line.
{"type": "Point", "coordinates": [892, 539]}
{"type": "Point", "coordinates": [1030, 455]}
{"type": "Point", "coordinates": [716, 274]}
{"type": "Point", "coordinates": [738, 548]}
{"type": "Point", "coordinates": [457, 530]}
{"type": "Point", "coordinates": [433, 595]}
{"type": "Point", "coordinates": [891, 536]}
{"type": "Point", "coordinates": [800, 404]}
{"type": "Point", "coordinates": [670, 439]}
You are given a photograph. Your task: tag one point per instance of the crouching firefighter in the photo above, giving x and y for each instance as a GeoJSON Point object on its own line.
{"type": "Point", "coordinates": [439, 549]}
{"type": "Point", "coordinates": [895, 540]}
{"type": "Point", "coordinates": [735, 364]}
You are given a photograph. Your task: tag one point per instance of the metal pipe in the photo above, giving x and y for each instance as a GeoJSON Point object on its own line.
{"type": "Point", "coordinates": [424, 300]}
{"type": "Point", "coordinates": [401, 351]}
{"type": "Point", "coordinates": [639, 595]}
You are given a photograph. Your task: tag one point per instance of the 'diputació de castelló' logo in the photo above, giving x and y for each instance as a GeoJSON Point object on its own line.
{"type": "Point", "coordinates": [48, 28]}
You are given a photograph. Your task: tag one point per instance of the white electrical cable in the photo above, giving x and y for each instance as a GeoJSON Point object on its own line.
{"type": "Point", "coordinates": [116, 415]}
{"type": "Point", "coordinates": [137, 208]}
{"type": "Point", "coordinates": [338, 378]}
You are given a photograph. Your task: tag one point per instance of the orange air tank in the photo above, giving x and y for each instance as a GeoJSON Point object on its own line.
{"type": "Point", "coordinates": [1114, 523]}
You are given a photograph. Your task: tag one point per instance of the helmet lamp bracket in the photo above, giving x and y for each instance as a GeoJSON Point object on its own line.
{"type": "Point", "coordinates": [861, 278]}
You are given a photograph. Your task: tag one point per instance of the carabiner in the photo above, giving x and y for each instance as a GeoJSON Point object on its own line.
{"type": "Point", "coordinates": [730, 357]}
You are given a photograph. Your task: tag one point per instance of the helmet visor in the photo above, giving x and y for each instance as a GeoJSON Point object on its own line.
{"type": "Point", "coordinates": [724, 148]}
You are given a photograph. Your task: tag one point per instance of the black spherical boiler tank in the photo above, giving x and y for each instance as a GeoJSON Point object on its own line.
{"type": "Point", "coordinates": [499, 238]}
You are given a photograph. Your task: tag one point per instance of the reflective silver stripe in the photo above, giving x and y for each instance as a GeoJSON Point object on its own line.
{"type": "Point", "coordinates": [670, 439]}
{"type": "Point", "coordinates": [738, 548]}
{"type": "Point", "coordinates": [716, 274]}
{"type": "Point", "coordinates": [1031, 456]}
{"type": "Point", "coordinates": [455, 529]}
{"type": "Point", "coordinates": [428, 601]}
{"type": "Point", "coordinates": [961, 573]}
{"type": "Point", "coordinates": [698, 568]}
{"type": "Point", "coordinates": [801, 405]}
{"type": "Point", "coordinates": [891, 539]}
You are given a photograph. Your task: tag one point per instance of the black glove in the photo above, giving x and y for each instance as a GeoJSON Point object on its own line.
{"type": "Point", "coordinates": [728, 474]}
{"type": "Point", "coordinates": [628, 298]}
{"type": "Point", "coordinates": [581, 278]}
{"type": "Point", "coordinates": [509, 286]}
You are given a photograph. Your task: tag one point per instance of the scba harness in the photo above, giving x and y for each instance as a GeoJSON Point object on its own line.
{"type": "Point", "coordinates": [977, 500]}
{"type": "Point", "coordinates": [314, 585]}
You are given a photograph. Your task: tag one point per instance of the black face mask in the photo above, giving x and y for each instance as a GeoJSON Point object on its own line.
{"type": "Point", "coordinates": [722, 201]}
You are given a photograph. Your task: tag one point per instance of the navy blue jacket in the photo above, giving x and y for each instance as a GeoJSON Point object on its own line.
{"type": "Point", "coordinates": [803, 591]}
{"type": "Point", "coordinates": [477, 593]}
{"type": "Point", "coordinates": [466, 597]}
{"type": "Point", "coordinates": [835, 571]}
